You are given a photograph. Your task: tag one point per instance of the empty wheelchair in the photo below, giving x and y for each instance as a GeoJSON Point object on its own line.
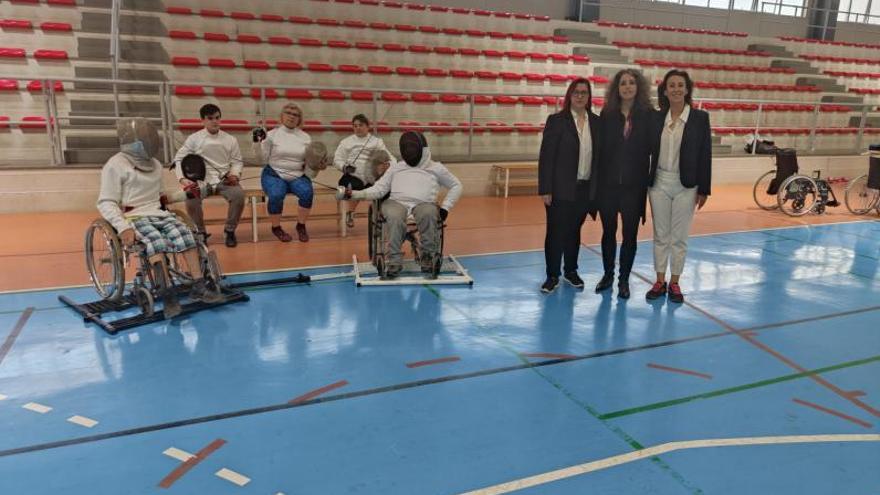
{"type": "Point", "coordinates": [378, 243]}
{"type": "Point", "coordinates": [799, 195]}
{"type": "Point", "coordinates": [766, 187]}
{"type": "Point", "coordinates": [863, 192]}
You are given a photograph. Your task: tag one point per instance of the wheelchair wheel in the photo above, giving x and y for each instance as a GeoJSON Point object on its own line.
{"type": "Point", "coordinates": [144, 299]}
{"type": "Point", "coordinates": [797, 195]}
{"type": "Point", "coordinates": [212, 271]}
{"type": "Point", "coordinates": [764, 200]}
{"type": "Point", "coordinates": [104, 259]}
{"type": "Point", "coordinates": [859, 198]}
{"type": "Point", "coordinates": [371, 234]}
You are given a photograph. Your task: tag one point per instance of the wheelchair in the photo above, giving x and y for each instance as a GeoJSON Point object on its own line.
{"type": "Point", "coordinates": [766, 188]}
{"type": "Point", "coordinates": [863, 192]}
{"type": "Point", "coordinates": [377, 242]}
{"type": "Point", "coordinates": [106, 262]}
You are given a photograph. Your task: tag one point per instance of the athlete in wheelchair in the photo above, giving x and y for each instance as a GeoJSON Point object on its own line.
{"type": "Point", "coordinates": [411, 186]}
{"type": "Point", "coordinates": [172, 260]}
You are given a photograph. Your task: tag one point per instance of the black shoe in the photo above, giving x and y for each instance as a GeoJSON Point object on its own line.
{"type": "Point", "coordinates": [623, 288]}
{"type": "Point", "coordinates": [605, 282]}
{"type": "Point", "coordinates": [573, 279]}
{"type": "Point", "coordinates": [392, 272]}
{"type": "Point", "coordinates": [201, 292]}
{"type": "Point", "coordinates": [550, 285]}
{"type": "Point", "coordinates": [231, 241]}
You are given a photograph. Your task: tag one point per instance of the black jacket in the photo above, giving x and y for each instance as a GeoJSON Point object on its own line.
{"type": "Point", "coordinates": [695, 156]}
{"type": "Point", "coordinates": [558, 159]}
{"type": "Point", "coordinates": [626, 162]}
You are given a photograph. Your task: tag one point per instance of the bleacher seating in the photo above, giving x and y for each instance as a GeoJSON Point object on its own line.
{"type": "Point", "coordinates": [430, 58]}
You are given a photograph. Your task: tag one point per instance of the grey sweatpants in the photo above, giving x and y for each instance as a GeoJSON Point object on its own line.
{"type": "Point", "coordinates": [234, 195]}
{"type": "Point", "coordinates": [427, 217]}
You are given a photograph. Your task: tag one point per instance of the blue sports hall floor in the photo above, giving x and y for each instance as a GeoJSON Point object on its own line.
{"type": "Point", "coordinates": [767, 380]}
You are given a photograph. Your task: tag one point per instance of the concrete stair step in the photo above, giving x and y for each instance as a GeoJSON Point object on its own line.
{"type": "Point", "coordinates": [97, 22]}
{"type": "Point", "coordinates": [149, 52]}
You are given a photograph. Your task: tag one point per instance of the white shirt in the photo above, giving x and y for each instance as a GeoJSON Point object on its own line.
{"type": "Point", "coordinates": [284, 150]}
{"type": "Point", "coordinates": [670, 140]}
{"type": "Point", "coordinates": [124, 187]}
{"type": "Point", "coordinates": [355, 151]}
{"type": "Point", "coordinates": [412, 186]}
{"type": "Point", "coordinates": [585, 154]}
{"type": "Point", "coordinates": [220, 151]}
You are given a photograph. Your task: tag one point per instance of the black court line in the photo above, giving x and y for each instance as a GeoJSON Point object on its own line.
{"type": "Point", "coordinates": [394, 388]}
{"type": "Point", "coordinates": [16, 331]}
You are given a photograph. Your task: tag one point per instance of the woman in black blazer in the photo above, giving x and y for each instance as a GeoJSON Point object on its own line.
{"type": "Point", "coordinates": [626, 121]}
{"type": "Point", "coordinates": [569, 155]}
{"type": "Point", "coordinates": [680, 178]}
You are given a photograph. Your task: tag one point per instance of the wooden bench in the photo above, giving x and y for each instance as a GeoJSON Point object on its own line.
{"type": "Point", "coordinates": [525, 175]}
{"type": "Point", "coordinates": [254, 196]}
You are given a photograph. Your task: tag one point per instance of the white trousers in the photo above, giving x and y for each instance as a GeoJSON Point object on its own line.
{"type": "Point", "coordinates": [672, 208]}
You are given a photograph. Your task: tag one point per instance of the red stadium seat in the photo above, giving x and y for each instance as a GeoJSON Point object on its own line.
{"type": "Point", "coordinates": [453, 99]}
{"type": "Point", "coordinates": [338, 44]}
{"type": "Point", "coordinates": [288, 66]}
{"type": "Point", "coordinates": [482, 99]}
{"type": "Point", "coordinates": [271, 18]}
{"type": "Point", "coordinates": [227, 92]}
{"type": "Point", "coordinates": [379, 70]}
{"type": "Point", "coordinates": [15, 24]}
{"type": "Point", "coordinates": [351, 69]}
{"type": "Point", "coordinates": [407, 71]}
{"type": "Point", "coordinates": [257, 65]}
{"type": "Point", "coordinates": [505, 100]}
{"type": "Point", "coordinates": [310, 42]}
{"type": "Point", "coordinates": [424, 98]}
{"type": "Point", "coordinates": [407, 28]}
{"type": "Point", "coordinates": [366, 45]}
{"type": "Point", "coordinates": [62, 3]}
{"type": "Point", "coordinates": [189, 91]}
{"type": "Point", "coordinates": [179, 10]}
{"type": "Point", "coordinates": [248, 38]}
{"type": "Point", "coordinates": [280, 40]}
{"type": "Point", "coordinates": [269, 92]}
{"type": "Point", "coordinates": [469, 52]}
{"type": "Point", "coordinates": [185, 62]}
{"type": "Point", "coordinates": [4, 122]}
{"type": "Point", "coordinates": [445, 50]}
{"type": "Point", "coordinates": [394, 97]}
{"type": "Point", "coordinates": [380, 26]}
{"type": "Point", "coordinates": [8, 85]}
{"type": "Point", "coordinates": [50, 54]}
{"type": "Point", "coordinates": [331, 95]}
{"type": "Point", "coordinates": [362, 95]}
{"type": "Point", "coordinates": [320, 67]}
{"type": "Point", "coordinates": [352, 23]}
{"type": "Point", "coordinates": [429, 29]}
{"type": "Point", "coordinates": [298, 94]}
{"type": "Point", "coordinates": [452, 31]}
{"type": "Point", "coordinates": [216, 37]}
{"type": "Point", "coordinates": [182, 35]}
{"type": "Point", "coordinates": [37, 86]}
{"type": "Point", "coordinates": [32, 122]}
{"type": "Point", "coordinates": [223, 63]}
{"type": "Point", "coordinates": [531, 100]}
{"type": "Point", "coordinates": [486, 74]}
{"type": "Point", "coordinates": [211, 13]}
{"type": "Point", "coordinates": [419, 49]}
{"type": "Point", "coordinates": [393, 47]}
{"type": "Point", "coordinates": [461, 74]}
{"type": "Point", "coordinates": [243, 16]}
{"type": "Point", "coordinates": [432, 72]}
{"type": "Point", "coordinates": [298, 19]}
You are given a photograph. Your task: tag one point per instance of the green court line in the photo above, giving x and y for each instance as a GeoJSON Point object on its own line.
{"type": "Point", "coordinates": [739, 388]}
{"type": "Point", "coordinates": [616, 430]}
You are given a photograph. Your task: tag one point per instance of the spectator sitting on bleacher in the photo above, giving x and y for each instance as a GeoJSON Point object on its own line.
{"type": "Point", "coordinates": [222, 157]}
{"type": "Point", "coordinates": [283, 151]}
{"type": "Point", "coordinates": [352, 159]}
{"type": "Point", "coordinates": [413, 184]}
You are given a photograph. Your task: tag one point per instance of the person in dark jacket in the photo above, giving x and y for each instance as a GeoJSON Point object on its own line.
{"type": "Point", "coordinates": [569, 155]}
{"type": "Point", "coordinates": [680, 179]}
{"type": "Point", "coordinates": [623, 171]}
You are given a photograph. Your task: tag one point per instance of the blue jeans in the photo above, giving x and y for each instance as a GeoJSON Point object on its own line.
{"type": "Point", "coordinates": [276, 188]}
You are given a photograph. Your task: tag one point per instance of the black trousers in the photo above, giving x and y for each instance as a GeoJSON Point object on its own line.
{"type": "Point", "coordinates": [626, 203]}
{"type": "Point", "coordinates": [563, 238]}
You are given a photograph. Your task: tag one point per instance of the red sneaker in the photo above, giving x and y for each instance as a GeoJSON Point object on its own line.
{"type": "Point", "coordinates": [675, 294]}
{"type": "Point", "coordinates": [657, 290]}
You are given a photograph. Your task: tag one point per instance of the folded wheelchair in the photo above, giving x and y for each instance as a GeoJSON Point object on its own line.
{"type": "Point", "coordinates": [444, 269]}
{"type": "Point", "coordinates": [106, 261]}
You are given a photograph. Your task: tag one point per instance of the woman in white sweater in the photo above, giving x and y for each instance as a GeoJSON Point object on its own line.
{"type": "Point", "coordinates": [352, 159]}
{"type": "Point", "coordinates": [282, 150]}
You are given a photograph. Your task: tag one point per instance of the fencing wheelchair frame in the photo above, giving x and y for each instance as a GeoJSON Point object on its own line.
{"type": "Point", "coordinates": [106, 259]}
{"type": "Point", "coordinates": [446, 269]}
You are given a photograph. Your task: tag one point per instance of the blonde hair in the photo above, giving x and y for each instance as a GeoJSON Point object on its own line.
{"type": "Point", "coordinates": [294, 106]}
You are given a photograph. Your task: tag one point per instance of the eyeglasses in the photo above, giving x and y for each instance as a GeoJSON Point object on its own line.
{"type": "Point", "coordinates": [580, 94]}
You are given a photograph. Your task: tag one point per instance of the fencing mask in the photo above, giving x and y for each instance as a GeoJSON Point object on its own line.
{"type": "Point", "coordinates": [413, 145]}
{"type": "Point", "coordinates": [139, 140]}
{"type": "Point", "coordinates": [315, 159]}
{"type": "Point", "coordinates": [193, 167]}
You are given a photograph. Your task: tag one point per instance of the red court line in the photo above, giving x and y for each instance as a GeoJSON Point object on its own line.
{"type": "Point", "coordinates": [190, 463]}
{"type": "Point", "coordinates": [751, 340]}
{"type": "Point", "coordinates": [548, 355]}
{"type": "Point", "coordinates": [318, 391]}
{"type": "Point", "coordinates": [679, 370]}
{"type": "Point", "coordinates": [833, 413]}
{"type": "Point", "coordinates": [418, 364]}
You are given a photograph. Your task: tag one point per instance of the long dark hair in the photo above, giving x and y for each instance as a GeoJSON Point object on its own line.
{"type": "Point", "coordinates": [612, 93]}
{"type": "Point", "coordinates": [661, 90]}
{"type": "Point", "coordinates": [566, 104]}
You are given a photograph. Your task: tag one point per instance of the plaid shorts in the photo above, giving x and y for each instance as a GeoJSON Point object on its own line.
{"type": "Point", "coordinates": [163, 234]}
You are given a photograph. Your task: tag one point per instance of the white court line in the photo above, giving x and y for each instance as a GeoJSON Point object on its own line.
{"type": "Point", "coordinates": [180, 455]}
{"type": "Point", "coordinates": [233, 477]}
{"type": "Point", "coordinates": [664, 448]}
{"type": "Point", "coordinates": [82, 421]}
{"type": "Point", "coordinates": [37, 408]}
